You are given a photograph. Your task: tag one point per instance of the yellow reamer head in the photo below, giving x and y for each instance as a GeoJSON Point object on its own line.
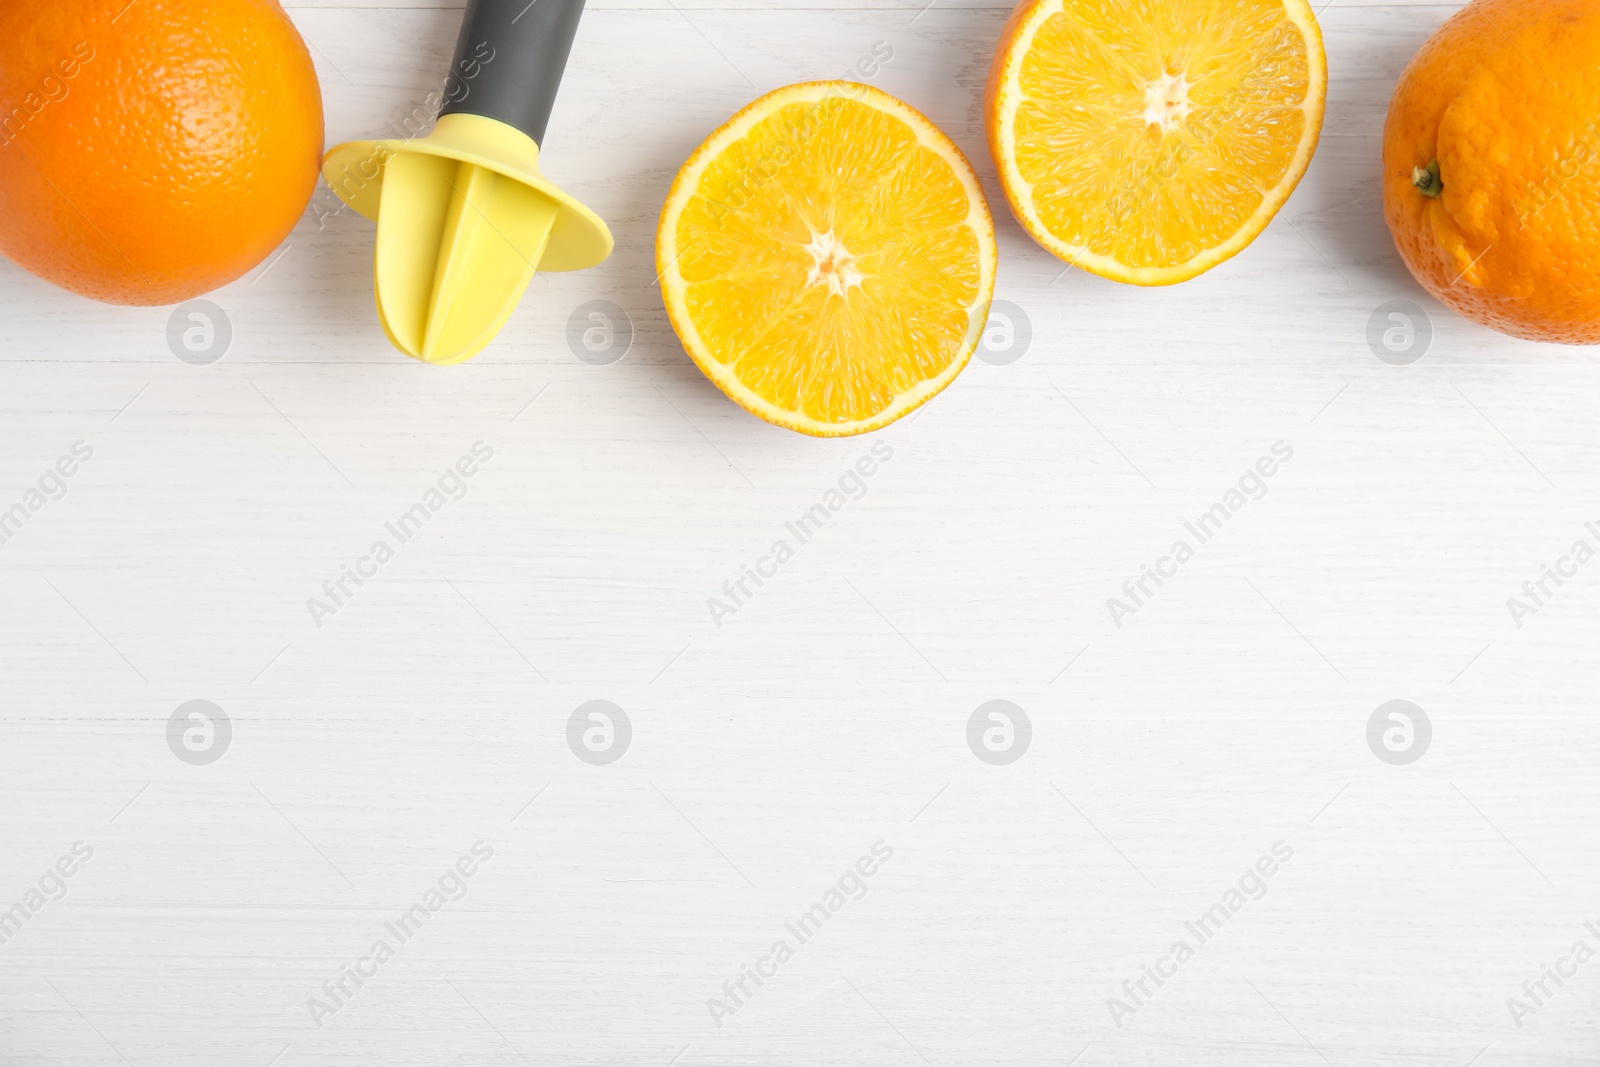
{"type": "Point", "coordinates": [464, 220]}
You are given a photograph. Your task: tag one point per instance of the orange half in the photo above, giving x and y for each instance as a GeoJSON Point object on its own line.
{"type": "Point", "coordinates": [828, 258]}
{"type": "Point", "coordinates": [1149, 140]}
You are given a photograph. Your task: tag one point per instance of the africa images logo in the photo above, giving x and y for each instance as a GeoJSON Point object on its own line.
{"type": "Point", "coordinates": [51, 886]}
{"type": "Point", "coordinates": [851, 485]}
{"type": "Point", "coordinates": [52, 485]}
{"type": "Point", "coordinates": [1252, 485]}
{"type": "Point", "coordinates": [1251, 885]}
{"type": "Point", "coordinates": [452, 485]}
{"type": "Point", "coordinates": [850, 886]}
{"type": "Point", "coordinates": [450, 887]}
{"type": "Point", "coordinates": [1538, 592]}
{"type": "Point", "coordinates": [1539, 991]}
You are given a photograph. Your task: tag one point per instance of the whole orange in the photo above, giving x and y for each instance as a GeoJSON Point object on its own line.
{"type": "Point", "coordinates": [1491, 167]}
{"type": "Point", "coordinates": [152, 150]}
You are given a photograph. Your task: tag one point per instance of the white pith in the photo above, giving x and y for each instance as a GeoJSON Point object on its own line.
{"type": "Point", "coordinates": [833, 265]}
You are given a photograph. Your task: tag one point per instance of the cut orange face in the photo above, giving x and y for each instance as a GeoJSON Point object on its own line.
{"type": "Point", "coordinates": [1149, 140]}
{"type": "Point", "coordinates": [828, 258]}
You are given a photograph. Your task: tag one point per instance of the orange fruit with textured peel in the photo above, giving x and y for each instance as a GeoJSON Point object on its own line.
{"type": "Point", "coordinates": [151, 151]}
{"type": "Point", "coordinates": [1491, 167]}
{"type": "Point", "coordinates": [1149, 140]}
{"type": "Point", "coordinates": [828, 258]}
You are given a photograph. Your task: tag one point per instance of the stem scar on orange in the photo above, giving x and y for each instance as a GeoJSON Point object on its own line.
{"type": "Point", "coordinates": [1491, 167]}
{"type": "Point", "coordinates": [1149, 140]}
{"type": "Point", "coordinates": [155, 150]}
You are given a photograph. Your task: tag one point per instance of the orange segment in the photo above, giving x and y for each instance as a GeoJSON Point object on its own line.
{"type": "Point", "coordinates": [1149, 140]}
{"type": "Point", "coordinates": [828, 258]}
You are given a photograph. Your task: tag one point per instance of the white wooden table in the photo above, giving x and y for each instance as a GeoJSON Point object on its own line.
{"type": "Point", "coordinates": [431, 711]}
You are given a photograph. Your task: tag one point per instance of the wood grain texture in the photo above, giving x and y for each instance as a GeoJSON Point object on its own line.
{"type": "Point", "coordinates": [829, 713]}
